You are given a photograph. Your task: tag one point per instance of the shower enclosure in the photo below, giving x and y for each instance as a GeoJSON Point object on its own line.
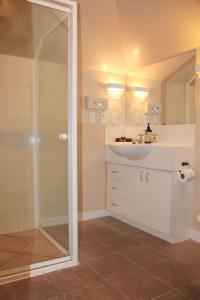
{"type": "Point", "coordinates": [38, 133]}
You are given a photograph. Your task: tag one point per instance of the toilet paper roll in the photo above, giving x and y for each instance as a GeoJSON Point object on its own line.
{"type": "Point", "coordinates": [185, 175]}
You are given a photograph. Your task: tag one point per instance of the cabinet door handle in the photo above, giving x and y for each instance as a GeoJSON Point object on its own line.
{"type": "Point", "coordinates": [141, 175]}
{"type": "Point", "coordinates": [147, 176]}
{"type": "Point", "coordinates": [114, 188]}
{"type": "Point", "coordinates": [115, 172]}
{"type": "Point", "coordinates": [114, 204]}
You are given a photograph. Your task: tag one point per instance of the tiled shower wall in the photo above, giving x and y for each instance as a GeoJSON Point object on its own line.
{"type": "Point", "coordinates": [16, 153]}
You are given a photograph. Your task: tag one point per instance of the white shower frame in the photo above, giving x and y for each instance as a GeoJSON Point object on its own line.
{"type": "Point", "coordinates": [72, 260]}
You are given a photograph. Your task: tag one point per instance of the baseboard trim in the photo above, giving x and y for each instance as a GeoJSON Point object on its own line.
{"type": "Point", "coordinates": [83, 216]}
{"type": "Point", "coordinates": [195, 235]}
{"type": "Point", "coordinates": [141, 227]}
{"type": "Point", "coordinates": [94, 214]}
{"type": "Point", "coordinates": [59, 220]}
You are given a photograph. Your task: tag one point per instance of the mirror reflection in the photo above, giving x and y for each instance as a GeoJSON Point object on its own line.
{"type": "Point", "coordinates": [170, 92]}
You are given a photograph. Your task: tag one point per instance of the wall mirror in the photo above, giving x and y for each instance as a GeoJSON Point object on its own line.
{"type": "Point", "coordinates": [170, 95]}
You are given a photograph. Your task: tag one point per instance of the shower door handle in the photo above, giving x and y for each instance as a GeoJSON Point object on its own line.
{"type": "Point", "coordinates": [63, 136]}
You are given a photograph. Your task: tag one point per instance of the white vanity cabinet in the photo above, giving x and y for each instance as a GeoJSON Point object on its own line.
{"type": "Point", "coordinates": [123, 185]}
{"type": "Point", "coordinates": [158, 194]}
{"type": "Point", "coordinates": [146, 198]}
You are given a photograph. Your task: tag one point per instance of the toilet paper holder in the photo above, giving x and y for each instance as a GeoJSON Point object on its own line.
{"type": "Point", "coordinates": [185, 173]}
{"type": "Point", "coordinates": [185, 164]}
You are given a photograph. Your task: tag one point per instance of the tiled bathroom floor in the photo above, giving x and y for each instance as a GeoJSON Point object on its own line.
{"type": "Point", "coordinates": [118, 262]}
{"type": "Point", "coordinates": [25, 248]}
{"type": "Point", "coordinates": [59, 233]}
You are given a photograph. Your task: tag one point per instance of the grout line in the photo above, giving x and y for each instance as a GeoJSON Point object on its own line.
{"type": "Point", "coordinates": [109, 283]}
{"type": "Point", "coordinates": [118, 290]}
{"type": "Point", "coordinates": [181, 293]}
{"type": "Point", "coordinates": [8, 261]}
{"type": "Point", "coordinates": [32, 240]}
{"type": "Point", "coordinates": [165, 294]}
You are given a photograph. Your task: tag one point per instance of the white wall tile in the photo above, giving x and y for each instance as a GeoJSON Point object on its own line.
{"type": "Point", "coordinates": [16, 157]}
{"type": "Point", "coordinates": [9, 223]}
{"type": "Point", "coordinates": [26, 221]}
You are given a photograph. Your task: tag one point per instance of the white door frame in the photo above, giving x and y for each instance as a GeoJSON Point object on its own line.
{"type": "Point", "coordinates": [49, 266]}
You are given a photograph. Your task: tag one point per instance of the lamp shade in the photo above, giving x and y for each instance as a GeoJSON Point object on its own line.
{"type": "Point", "coordinates": [115, 90]}
{"type": "Point", "coordinates": [140, 93]}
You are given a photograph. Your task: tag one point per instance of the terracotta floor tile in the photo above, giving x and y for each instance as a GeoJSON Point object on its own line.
{"type": "Point", "coordinates": [97, 292]}
{"type": "Point", "coordinates": [89, 251]}
{"type": "Point", "coordinates": [174, 273]}
{"type": "Point", "coordinates": [194, 243]}
{"type": "Point", "coordinates": [62, 239]}
{"type": "Point", "coordinates": [122, 243]}
{"type": "Point", "coordinates": [172, 296]}
{"type": "Point", "coordinates": [60, 234]}
{"type": "Point", "coordinates": [115, 256]}
{"type": "Point", "coordinates": [37, 288]}
{"type": "Point", "coordinates": [3, 296]}
{"type": "Point", "coordinates": [191, 291]}
{"type": "Point", "coordinates": [145, 256]}
{"type": "Point", "coordinates": [112, 266]}
{"type": "Point", "coordinates": [21, 260]}
{"type": "Point", "coordinates": [175, 250]}
{"type": "Point", "coordinates": [59, 254]}
{"type": "Point", "coordinates": [108, 220]}
{"type": "Point", "coordinates": [57, 229]}
{"type": "Point", "coordinates": [69, 280]}
{"type": "Point", "coordinates": [139, 285]}
{"type": "Point", "coordinates": [31, 234]}
{"type": "Point", "coordinates": [117, 225]}
{"type": "Point", "coordinates": [42, 248]}
{"type": "Point", "coordinates": [14, 244]}
{"type": "Point", "coordinates": [191, 260]}
{"type": "Point", "coordinates": [143, 237]}
{"type": "Point", "coordinates": [92, 232]}
{"type": "Point", "coordinates": [5, 256]}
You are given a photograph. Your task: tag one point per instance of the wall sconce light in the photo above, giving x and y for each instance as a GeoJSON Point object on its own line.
{"type": "Point", "coordinates": [115, 90]}
{"type": "Point", "coordinates": [140, 94]}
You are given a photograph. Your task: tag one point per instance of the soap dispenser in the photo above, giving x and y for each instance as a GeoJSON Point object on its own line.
{"type": "Point", "coordinates": [148, 134]}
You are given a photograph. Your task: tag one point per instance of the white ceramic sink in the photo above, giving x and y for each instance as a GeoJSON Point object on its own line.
{"type": "Point", "coordinates": [131, 151]}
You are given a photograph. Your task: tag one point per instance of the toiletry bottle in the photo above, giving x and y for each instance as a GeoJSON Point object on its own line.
{"type": "Point", "coordinates": [148, 134]}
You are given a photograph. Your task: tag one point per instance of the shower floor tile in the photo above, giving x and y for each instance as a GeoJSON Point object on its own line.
{"type": "Point", "coordinates": [41, 248]}
{"type": "Point", "coordinates": [30, 234]}
{"type": "Point", "coordinates": [5, 256]}
{"type": "Point", "coordinates": [59, 233]}
{"type": "Point", "coordinates": [14, 244]}
{"type": "Point", "coordinates": [21, 260]}
{"type": "Point", "coordinates": [25, 248]}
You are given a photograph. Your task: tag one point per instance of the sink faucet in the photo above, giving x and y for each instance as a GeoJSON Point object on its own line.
{"type": "Point", "coordinates": [140, 139]}
{"type": "Point", "coordinates": [154, 138]}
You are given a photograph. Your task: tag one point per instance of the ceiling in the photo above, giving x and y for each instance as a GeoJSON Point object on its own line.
{"type": "Point", "coordinates": [162, 70]}
{"type": "Point", "coordinates": [117, 36]}
{"type": "Point", "coordinates": [123, 35]}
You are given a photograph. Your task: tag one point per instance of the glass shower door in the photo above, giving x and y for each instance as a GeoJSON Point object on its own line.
{"type": "Point", "coordinates": [52, 130]}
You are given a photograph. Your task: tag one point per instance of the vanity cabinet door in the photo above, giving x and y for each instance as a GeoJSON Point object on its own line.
{"type": "Point", "coordinates": [136, 196]}
{"type": "Point", "coordinates": [142, 195]}
{"type": "Point", "coordinates": [158, 198]}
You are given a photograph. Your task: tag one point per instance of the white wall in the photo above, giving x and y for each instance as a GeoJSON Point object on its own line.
{"type": "Point", "coordinates": [91, 163]}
